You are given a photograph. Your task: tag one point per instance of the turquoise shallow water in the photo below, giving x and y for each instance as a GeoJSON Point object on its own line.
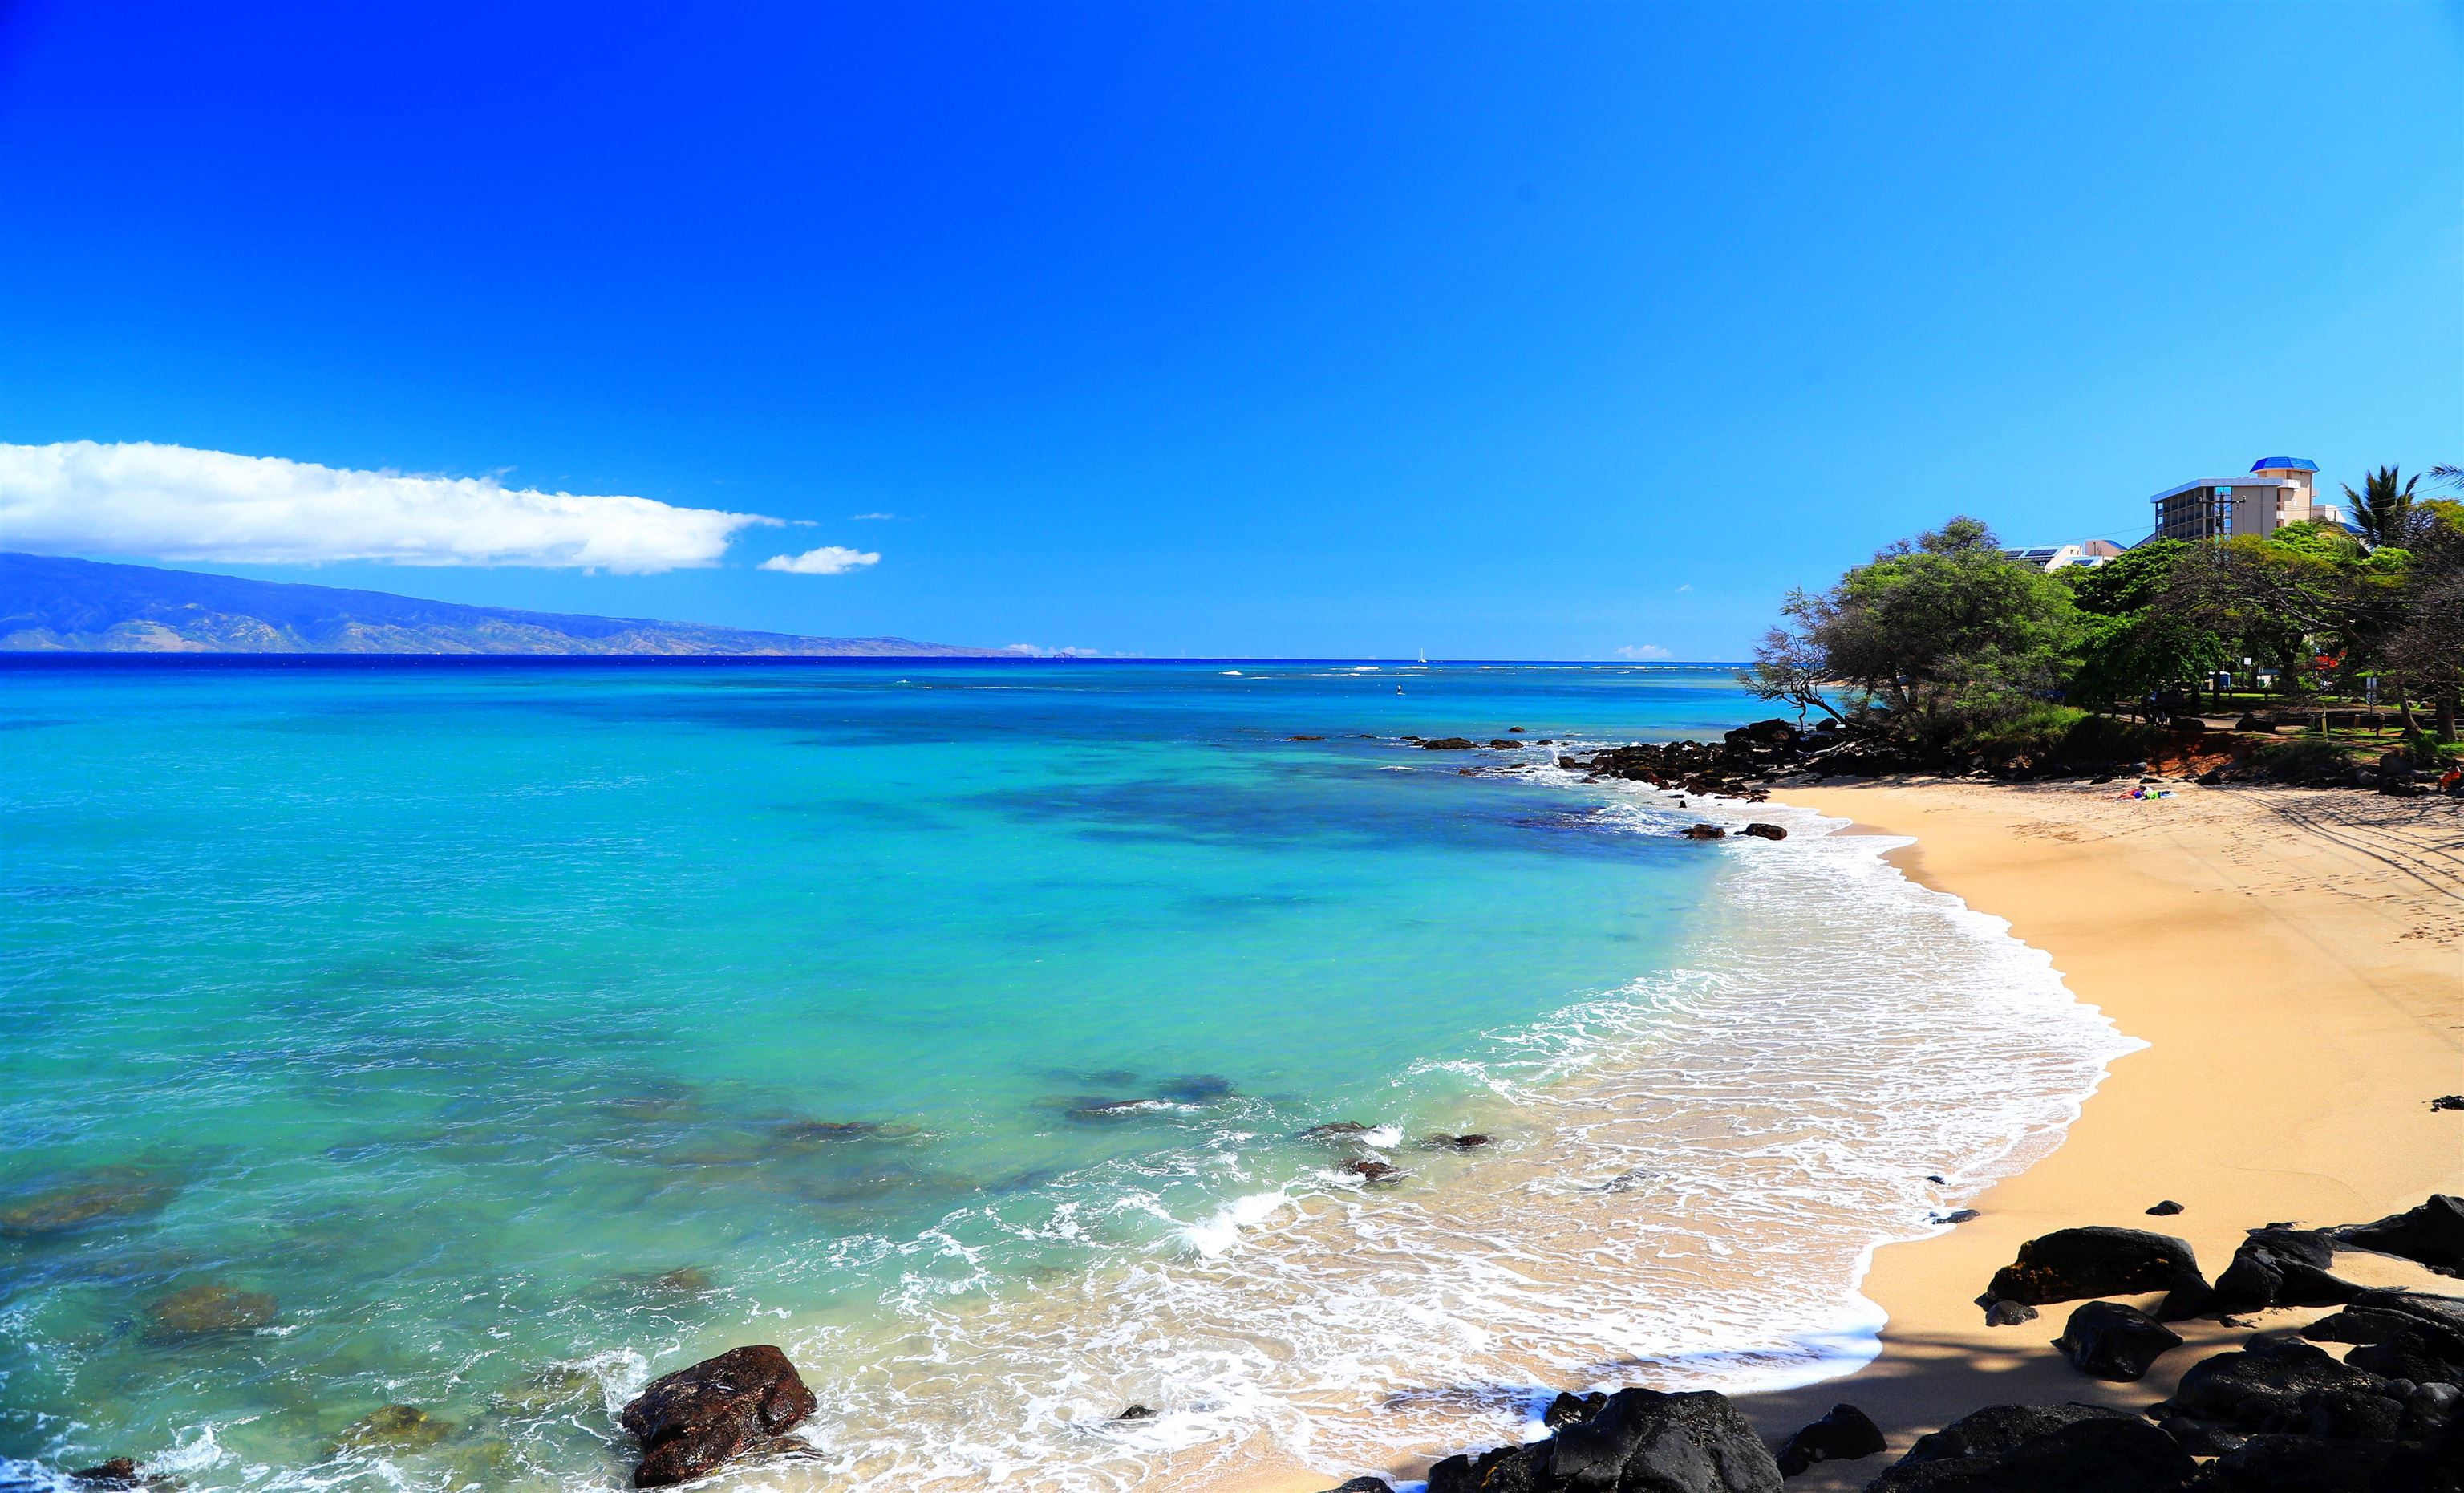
{"type": "Point", "coordinates": [497, 1020]}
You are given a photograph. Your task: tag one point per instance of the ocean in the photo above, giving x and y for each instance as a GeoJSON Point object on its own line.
{"type": "Point", "coordinates": [488, 1036]}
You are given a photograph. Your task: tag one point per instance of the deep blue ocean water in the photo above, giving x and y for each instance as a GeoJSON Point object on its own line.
{"type": "Point", "coordinates": [484, 1037]}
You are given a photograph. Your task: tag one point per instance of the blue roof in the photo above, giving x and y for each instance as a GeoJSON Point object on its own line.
{"type": "Point", "coordinates": [2296, 463]}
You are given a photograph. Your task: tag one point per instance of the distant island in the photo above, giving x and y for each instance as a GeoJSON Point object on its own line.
{"type": "Point", "coordinates": [54, 605]}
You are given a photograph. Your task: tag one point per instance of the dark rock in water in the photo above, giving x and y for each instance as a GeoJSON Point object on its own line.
{"type": "Point", "coordinates": [2298, 1465]}
{"type": "Point", "coordinates": [1104, 1109]}
{"type": "Point", "coordinates": [823, 1131]}
{"type": "Point", "coordinates": [1447, 744]}
{"type": "Point", "coordinates": [684, 1280]}
{"type": "Point", "coordinates": [1196, 1088]}
{"type": "Point", "coordinates": [1703, 832]}
{"type": "Point", "coordinates": [1762, 831]}
{"type": "Point", "coordinates": [2106, 1340]}
{"type": "Point", "coordinates": [1501, 742]}
{"type": "Point", "coordinates": [1473, 1141]}
{"type": "Point", "coordinates": [1376, 1174]}
{"type": "Point", "coordinates": [2432, 1235]}
{"type": "Point", "coordinates": [2406, 1336]}
{"type": "Point", "coordinates": [1845, 1435]}
{"type": "Point", "coordinates": [109, 1195]}
{"type": "Point", "coordinates": [1957, 1216]}
{"type": "Point", "coordinates": [2008, 1313]}
{"type": "Point", "coordinates": [120, 1472]}
{"type": "Point", "coordinates": [2042, 1449]}
{"type": "Point", "coordinates": [202, 1310]}
{"type": "Point", "coordinates": [2069, 1265]}
{"type": "Point", "coordinates": [395, 1428]}
{"type": "Point", "coordinates": [1570, 1409]}
{"type": "Point", "coordinates": [2240, 1390]}
{"type": "Point", "coordinates": [1365, 1486]}
{"type": "Point", "coordinates": [2166, 1209]}
{"type": "Point", "coordinates": [2446, 1102]}
{"type": "Point", "coordinates": [1136, 1413]}
{"type": "Point", "coordinates": [1305, 739]}
{"type": "Point", "coordinates": [692, 1421]}
{"type": "Point", "coordinates": [1642, 1440]}
{"type": "Point", "coordinates": [1336, 1129]}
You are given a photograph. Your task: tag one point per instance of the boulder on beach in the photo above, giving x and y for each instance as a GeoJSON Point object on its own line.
{"type": "Point", "coordinates": [2070, 1264]}
{"type": "Point", "coordinates": [1572, 1409]}
{"type": "Point", "coordinates": [1763, 831]}
{"type": "Point", "coordinates": [1365, 1486]}
{"type": "Point", "coordinates": [2165, 1209]}
{"type": "Point", "coordinates": [1638, 1439]}
{"type": "Point", "coordinates": [205, 1311]}
{"type": "Point", "coordinates": [2008, 1448]}
{"type": "Point", "coordinates": [2240, 1390]}
{"type": "Point", "coordinates": [2282, 1267]}
{"type": "Point", "coordinates": [693, 1420]}
{"type": "Point", "coordinates": [2301, 1464]}
{"type": "Point", "coordinates": [2107, 1340]}
{"type": "Point", "coordinates": [2008, 1313]}
{"type": "Point", "coordinates": [2402, 1335]}
{"type": "Point", "coordinates": [1695, 1442]}
{"type": "Point", "coordinates": [1845, 1435]}
{"type": "Point", "coordinates": [2432, 1235]}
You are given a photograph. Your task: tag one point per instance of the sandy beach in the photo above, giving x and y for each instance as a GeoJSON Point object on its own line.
{"type": "Point", "coordinates": [2295, 960]}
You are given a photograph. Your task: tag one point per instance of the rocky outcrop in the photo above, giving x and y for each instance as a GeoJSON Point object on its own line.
{"type": "Point", "coordinates": [2432, 1235]}
{"type": "Point", "coordinates": [2022, 1448]}
{"type": "Point", "coordinates": [696, 1419]}
{"type": "Point", "coordinates": [2240, 1390]}
{"type": "Point", "coordinates": [2070, 1264]}
{"type": "Point", "coordinates": [2282, 1267]}
{"type": "Point", "coordinates": [1846, 1433]}
{"type": "Point", "coordinates": [2106, 1340]}
{"type": "Point", "coordinates": [1763, 831]}
{"type": "Point", "coordinates": [2402, 1335]}
{"type": "Point", "coordinates": [1569, 1408]}
{"type": "Point", "coordinates": [2300, 1464]}
{"type": "Point", "coordinates": [206, 1311]}
{"type": "Point", "coordinates": [1703, 832]}
{"type": "Point", "coordinates": [1449, 744]}
{"type": "Point", "coordinates": [1641, 1440]}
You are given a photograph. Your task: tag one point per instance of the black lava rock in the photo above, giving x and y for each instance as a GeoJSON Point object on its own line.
{"type": "Point", "coordinates": [2042, 1449]}
{"type": "Point", "coordinates": [1845, 1435]}
{"type": "Point", "coordinates": [2070, 1264]}
{"type": "Point", "coordinates": [2106, 1340]}
{"type": "Point", "coordinates": [2240, 1390]}
{"type": "Point", "coordinates": [2432, 1235]}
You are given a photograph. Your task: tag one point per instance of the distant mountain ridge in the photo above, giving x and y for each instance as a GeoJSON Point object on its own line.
{"type": "Point", "coordinates": [51, 605]}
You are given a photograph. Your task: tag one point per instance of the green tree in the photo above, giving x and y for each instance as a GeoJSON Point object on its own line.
{"type": "Point", "coordinates": [2136, 639]}
{"type": "Point", "coordinates": [2382, 510]}
{"type": "Point", "coordinates": [1948, 642]}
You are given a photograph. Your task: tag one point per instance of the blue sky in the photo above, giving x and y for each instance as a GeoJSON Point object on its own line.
{"type": "Point", "coordinates": [1499, 330]}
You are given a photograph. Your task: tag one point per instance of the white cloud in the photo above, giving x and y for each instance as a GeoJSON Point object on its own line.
{"type": "Point", "coordinates": [173, 502]}
{"type": "Point", "coordinates": [1038, 650]}
{"type": "Point", "coordinates": [831, 560]}
{"type": "Point", "coordinates": [874, 518]}
{"type": "Point", "coordinates": [1644, 650]}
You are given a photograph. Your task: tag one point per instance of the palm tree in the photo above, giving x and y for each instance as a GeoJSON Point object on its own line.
{"type": "Point", "coordinates": [2382, 510]}
{"type": "Point", "coordinates": [2449, 472]}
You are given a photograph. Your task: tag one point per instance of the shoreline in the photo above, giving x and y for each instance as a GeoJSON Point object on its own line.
{"type": "Point", "coordinates": [2293, 960]}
